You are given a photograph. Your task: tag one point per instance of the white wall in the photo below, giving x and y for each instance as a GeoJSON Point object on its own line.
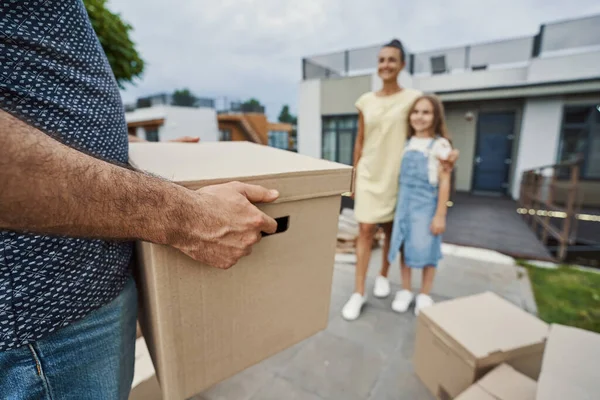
{"type": "Point", "coordinates": [339, 95]}
{"type": "Point", "coordinates": [187, 121]}
{"type": "Point", "coordinates": [309, 118]}
{"type": "Point", "coordinates": [471, 79]}
{"type": "Point", "coordinates": [563, 68]}
{"type": "Point", "coordinates": [540, 135]}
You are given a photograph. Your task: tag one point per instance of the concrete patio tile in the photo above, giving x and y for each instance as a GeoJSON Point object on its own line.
{"type": "Point", "coordinates": [398, 381]}
{"type": "Point", "coordinates": [335, 368]}
{"type": "Point", "coordinates": [239, 387]}
{"type": "Point", "coordinates": [280, 360]}
{"type": "Point", "coordinates": [378, 329]}
{"type": "Point", "coordinates": [343, 278]}
{"type": "Point", "coordinates": [280, 389]}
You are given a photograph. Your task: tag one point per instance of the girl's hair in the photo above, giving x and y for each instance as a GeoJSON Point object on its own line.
{"type": "Point", "coordinates": [396, 44]}
{"type": "Point", "coordinates": [439, 120]}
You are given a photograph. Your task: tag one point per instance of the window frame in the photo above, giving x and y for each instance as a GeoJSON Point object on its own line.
{"type": "Point", "coordinates": [593, 123]}
{"type": "Point", "coordinates": [275, 137]}
{"type": "Point", "coordinates": [338, 129]}
{"type": "Point", "coordinates": [225, 132]}
{"type": "Point", "coordinates": [152, 131]}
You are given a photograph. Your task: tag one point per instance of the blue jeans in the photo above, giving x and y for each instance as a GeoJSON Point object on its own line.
{"type": "Point", "coordinates": [91, 359]}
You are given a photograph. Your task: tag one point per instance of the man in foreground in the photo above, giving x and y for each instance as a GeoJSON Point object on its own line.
{"type": "Point", "coordinates": [70, 209]}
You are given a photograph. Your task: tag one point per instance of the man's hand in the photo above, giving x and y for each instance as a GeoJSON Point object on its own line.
{"type": "Point", "coordinates": [186, 139]}
{"type": "Point", "coordinates": [448, 163]}
{"type": "Point", "coordinates": [226, 224]}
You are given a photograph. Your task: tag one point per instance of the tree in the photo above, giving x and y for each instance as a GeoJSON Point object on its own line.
{"type": "Point", "coordinates": [286, 117]}
{"type": "Point", "coordinates": [113, 34]}
{"type": "Point", "coordinates": [252, 105]}
{"type": "Point", "coordinates": [183, 98]}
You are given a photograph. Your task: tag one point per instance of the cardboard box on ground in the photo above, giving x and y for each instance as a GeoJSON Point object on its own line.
{"type": "Point", "coordinates": [203, 325]}
{"type": "Point", "coordinates": [571, 365]}
{"type": "Point", "coordinates": [484, 347]}
{"type": "Point", "coordinates": [502, 383]}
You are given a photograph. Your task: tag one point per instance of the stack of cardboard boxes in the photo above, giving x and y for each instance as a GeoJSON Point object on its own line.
{"type": "Point", "coordinates": [483, 347]}
{"type": "Point", "coordinates": [203, 325]}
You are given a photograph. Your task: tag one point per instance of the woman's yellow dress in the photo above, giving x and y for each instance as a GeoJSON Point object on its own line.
{"type": "Point", "coordinates": [385, 129]}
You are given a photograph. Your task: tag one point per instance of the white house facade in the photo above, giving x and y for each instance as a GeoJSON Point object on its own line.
{"type": "Point", "coordinates": [172, 122]}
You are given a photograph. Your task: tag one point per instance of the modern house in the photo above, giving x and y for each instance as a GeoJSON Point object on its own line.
{"type": "Point", "coordinates": [249, 123]}
{"type": "Point", "coordinates": [155, 120]}
{"type": "Point", "coordinates": [161, 123]}
{"type": "Point", "coordinates": [511, 105]}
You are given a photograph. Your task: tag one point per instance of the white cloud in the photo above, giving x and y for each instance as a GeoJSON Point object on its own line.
{"type": "Point", "coordinates": [244, 48]}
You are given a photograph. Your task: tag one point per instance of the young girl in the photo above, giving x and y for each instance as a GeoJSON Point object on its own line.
{"type": "Point", "coordinates": [424, 189]}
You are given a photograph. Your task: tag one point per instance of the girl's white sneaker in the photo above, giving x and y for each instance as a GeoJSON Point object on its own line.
{"type": "Point", "coordinates": [402, 300]}
{"type": "Point", "coordinates": [382, 287]}
{"type": "Point", "coordinates": [422, 301]}
{"type": "Point", "coordinates": [353, 307]}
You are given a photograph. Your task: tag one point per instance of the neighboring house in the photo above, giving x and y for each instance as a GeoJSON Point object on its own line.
{"type": "Point", "coordinates": [511, 105]}
{"type": "Point", "coordinates": [254, 127]}
{"type": "Point", "coordinates": [162, 123]}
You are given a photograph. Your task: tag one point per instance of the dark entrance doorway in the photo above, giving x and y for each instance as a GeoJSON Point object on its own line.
{"type": "Point", "coordinates": [495, 134]}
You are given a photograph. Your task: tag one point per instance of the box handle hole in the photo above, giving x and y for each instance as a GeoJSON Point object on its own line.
{"type": "Point", "coordinates": [282, 226]}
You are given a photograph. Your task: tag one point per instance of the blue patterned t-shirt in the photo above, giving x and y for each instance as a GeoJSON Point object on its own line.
{"type": "Point", "coordinates": [54, 76]}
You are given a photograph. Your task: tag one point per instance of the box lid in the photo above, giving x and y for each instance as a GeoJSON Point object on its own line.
{"type": "Point", "coordinates": [502, 383]}
{"type": "Point", "coordinates": [482, 326]}
{"type": "Point", "coordinates": [194, 166]}
{"type": "Point", "coordinates": [571, 365]}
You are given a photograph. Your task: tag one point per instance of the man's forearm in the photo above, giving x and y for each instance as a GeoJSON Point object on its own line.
{"type": "Point", "coordinates": [50, 188]}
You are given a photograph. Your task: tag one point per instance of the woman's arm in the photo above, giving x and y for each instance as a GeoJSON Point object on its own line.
{"type": "Point", "coordinates": [358, 146]}
{"type": "Point", "coordinates": [438, 225]}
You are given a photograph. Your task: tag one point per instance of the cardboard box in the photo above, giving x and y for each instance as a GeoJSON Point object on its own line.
{"type": "Point", "coordinates": [458, 341]}
{"type": "Point", "coordinates": [571, 365]}
{"type": "Point", "coordinates": [203, 325]}
{"type": "Point", "coordinates": [502, 383]}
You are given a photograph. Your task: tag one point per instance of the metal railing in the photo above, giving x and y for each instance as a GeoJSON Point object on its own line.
{"type": "Point", "coordinates": [552, 38]}
{"type": "Point", "coordinates": [538, 199]}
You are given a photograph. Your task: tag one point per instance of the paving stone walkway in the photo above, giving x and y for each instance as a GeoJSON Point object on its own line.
{"type": "Point", "coordinates": [370, 358]}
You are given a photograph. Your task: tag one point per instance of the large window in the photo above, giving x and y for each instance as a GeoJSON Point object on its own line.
{"type": "Point", "coordinates": [224, 135]}
{"type": "Point", "coordinates": [152, 134]}
{"type": "Point", "coordinates": [580, 137]}
{"type": "Point", "coordinates": [339, 135]}
{"type": "Point", "coordinates": [279, 139]}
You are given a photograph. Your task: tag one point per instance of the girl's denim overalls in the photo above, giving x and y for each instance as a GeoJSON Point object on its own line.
{"type": "Point", "coordinates": [415, 209]}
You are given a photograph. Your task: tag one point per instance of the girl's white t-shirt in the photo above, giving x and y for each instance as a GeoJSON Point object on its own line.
{"type": "Point", "coordinates": [441, 148]}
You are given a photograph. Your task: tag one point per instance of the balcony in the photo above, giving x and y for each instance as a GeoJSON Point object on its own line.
{"type": "Point", "coordinates": [559, 52]}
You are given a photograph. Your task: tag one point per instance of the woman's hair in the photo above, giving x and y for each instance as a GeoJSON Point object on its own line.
{"type": "Point", "coordinates": [396, 44]}
{"type": "Point", "coordinates": [439, 120]}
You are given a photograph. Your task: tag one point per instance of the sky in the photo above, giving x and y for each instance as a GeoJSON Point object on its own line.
{"type": "Point", "coordinates": [237, 49]}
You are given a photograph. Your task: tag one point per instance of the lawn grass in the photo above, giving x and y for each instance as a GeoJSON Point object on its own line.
{"type": "Point", "coordinates": [567, 296]}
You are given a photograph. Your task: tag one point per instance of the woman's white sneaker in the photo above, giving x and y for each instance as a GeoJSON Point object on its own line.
{"type": "Point", "coordinates": [382, 287]}
{"type": "Point", "coordinates": [402, 301]}
{"type": "Point", "coordinates": [353, 307]}
{"type": "Point", "coordinates": [422, 301]}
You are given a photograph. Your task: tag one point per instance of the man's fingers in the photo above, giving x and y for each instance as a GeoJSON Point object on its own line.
{"type": "Point", "coordinates": [269, 225]}
{"type": "Point", "coordinates": [257, 194]}
{"type": "Point", "coordinates": [186, 139]}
